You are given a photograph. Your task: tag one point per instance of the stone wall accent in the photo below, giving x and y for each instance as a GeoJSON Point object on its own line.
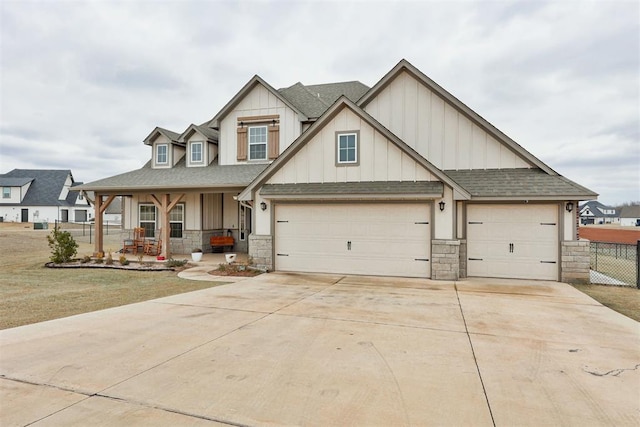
{"type": "Point", "coordinates": [261, 250]}
{"type": "Point", "coordinates": [445, 259]}
{"type": "Point", "coordinates": [575, 260]}
{"type": "Point", "coordinates": [463, 258]}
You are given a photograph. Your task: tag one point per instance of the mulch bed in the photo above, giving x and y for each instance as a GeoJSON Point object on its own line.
{"type": "Point", "coordinates": [245, 273]}
{"type": "Point", "coordinates": [131, 266]}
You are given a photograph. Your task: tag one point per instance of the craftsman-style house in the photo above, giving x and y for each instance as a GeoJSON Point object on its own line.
{"type": "Point", "coordinates": [400, 179]}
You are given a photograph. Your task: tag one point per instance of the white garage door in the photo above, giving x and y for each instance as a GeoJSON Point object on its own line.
{"type": "Point", "coordinates": [386, 239]}
{"type": "Point", "coordinates": [512, 241]}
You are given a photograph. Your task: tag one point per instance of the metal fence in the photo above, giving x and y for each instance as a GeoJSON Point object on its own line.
{"type": "Point", "coordinates": [615, 263]}
{"type": "Point", "coordinates": [85, 231]}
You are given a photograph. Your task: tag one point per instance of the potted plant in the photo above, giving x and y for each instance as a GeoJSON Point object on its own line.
{"type": "Point", "coordinates": [196, 255]}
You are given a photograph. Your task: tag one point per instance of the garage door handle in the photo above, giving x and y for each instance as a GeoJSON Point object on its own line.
{"type": "Point", "coordinates": [421, 222]}
{"type": "Point", "coordinates": [282, 254]}
{"type": "Point", "coordinates": [547, 223]}
{"type": "Point", "coordinates": [421, 259]}
{"type": "Point", "coordinates": [476, 259]}
{"type": "Point", "coordinates": [349, 245]}
{"type": "Point", "coordinates": [510, 247]}
{"type": "Point", "coordinates": [475, 222]}
{"type": "Point", "coordinates": [547, 262]}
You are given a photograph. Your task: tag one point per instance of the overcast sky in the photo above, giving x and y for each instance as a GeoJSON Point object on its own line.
{"type": "Point", "coordinates": [83, 83]}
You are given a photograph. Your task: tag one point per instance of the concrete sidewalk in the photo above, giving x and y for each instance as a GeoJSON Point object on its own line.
{"type": "Point", "coordinates": [300, 349]}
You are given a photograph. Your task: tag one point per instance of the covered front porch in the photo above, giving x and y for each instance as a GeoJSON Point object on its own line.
{"type": "Point", "coordinates": [174, 224]}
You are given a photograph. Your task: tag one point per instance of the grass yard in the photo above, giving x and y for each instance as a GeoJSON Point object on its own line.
{"type": "Point", "coordinates": [625, 300]}
{"type": "Point", "coordinates": [30, 292]}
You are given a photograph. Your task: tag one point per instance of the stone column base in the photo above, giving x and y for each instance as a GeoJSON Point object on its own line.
{"type": "Point", "coordinates": [261, 251]}
{"type": "Point", "coordinates": [575, 261]}
{"type": "Point", "coordinates": [445, 259]}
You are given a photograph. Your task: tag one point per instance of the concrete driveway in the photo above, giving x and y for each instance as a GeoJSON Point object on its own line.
{"type": "Point", "coordinates": [288, 349]}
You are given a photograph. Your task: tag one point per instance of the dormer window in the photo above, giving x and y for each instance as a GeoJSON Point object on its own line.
{"type": "Point", "coordinates": [196, 152]}
{"type": "Point", "coordinates": [162, 154]}
{"type": "Point", "coordinates": [6, 192]}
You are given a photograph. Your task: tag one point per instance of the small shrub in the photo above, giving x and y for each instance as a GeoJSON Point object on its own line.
{"type": "Point", "coordinates": [109, 260]}
{"type": "Point", "coordinates": [99, 258]}
{"type": "Point", "coordinates": [140, 257]}
{"type": "Point", "coordinates": [123, 260]}
{"type": "Point", "coordinates": [175, 262]}
{"type": "Point", "coordinates": [63, 246]}
{"type": "Point", "coordinates": [85, 259]}
{"type": "Point", "coordinates": [222, 267]}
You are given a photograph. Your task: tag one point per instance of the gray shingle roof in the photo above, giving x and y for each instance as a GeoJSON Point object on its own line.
{"type": "Point", "coordinates": [179, 177]}
{"type": "Point", "coordinates": [14, 182]}
{"type": "Point", "coordinates": [423, 188]}
{"type": "Point", "coordinates": [314, 100]}
{"type": "Point", "coordinates": [46, 187]}
{"type": "Point", "coordinates": [509, 183]}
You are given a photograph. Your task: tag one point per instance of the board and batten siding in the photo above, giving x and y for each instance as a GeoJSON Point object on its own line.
{"type": "Point", "coordinates": [379, 158]}
{"type": "Point", "coordinates": [437, 130]}
{"type": "Point", "coordinates": [258, 102]}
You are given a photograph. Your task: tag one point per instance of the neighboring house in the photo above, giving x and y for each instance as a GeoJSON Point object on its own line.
{"type": "Point", "coordinates": [594, 212]}
{"type": "Point", "coordinates": [113, 212]}
{"type": "Point", "coordinates": [630, 215]}
{"type": "Point", "coordinates": [401, 179]}
{"type": "Point", "coordinates": [34, 195]}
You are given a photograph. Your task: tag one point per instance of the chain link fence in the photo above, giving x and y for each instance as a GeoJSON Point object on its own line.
{"type": "Point", "coordinates": [614, 264]}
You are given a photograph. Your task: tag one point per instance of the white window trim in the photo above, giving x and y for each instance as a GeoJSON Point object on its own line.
{"type": "Point", "coordinates": [191, 146]}
{"type": "Point", "coordinates": [158, 162]}
{"type": "Point", "coordinates": [354, 162]}
{"type": "Point", "coordinates": [155, 215]}
{"type": "Point", "coordinates": [5, 194]}
{"type": "Point", "coordinates": [182, 205]}
{"type": "Point", "coordinates": [265, 143]}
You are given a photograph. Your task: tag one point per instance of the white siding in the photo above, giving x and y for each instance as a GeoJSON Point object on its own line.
{"type": "Point", "coordinates": [437, 130]}
{"type": "Point", "coordinates": [16, 194]}
{"type": "Point", "coordinates": [258, 102]}
{"type": "Point", "coordinates": [380, 159]}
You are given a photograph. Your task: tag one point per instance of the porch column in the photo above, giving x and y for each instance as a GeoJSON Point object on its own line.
{"type": "Point", "coordinates": [98, 241]}
{"type": "Point", "coordinates": [164, 205]}
{"type": "Point", "coordinates": [100, 207]}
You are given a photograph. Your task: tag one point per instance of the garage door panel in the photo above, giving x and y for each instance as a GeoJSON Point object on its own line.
{"type": "Point", "coordinates": [513, 241]}
{"type": "Point", "coordinates": [386, 239]}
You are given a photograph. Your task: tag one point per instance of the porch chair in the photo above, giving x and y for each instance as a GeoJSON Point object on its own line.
{"type": "Point", "coordinates": [153, 247]}
{"type": "Point", "coordinates": [138, 239]}
{"type": "Point", "coordinates": [129, 244]}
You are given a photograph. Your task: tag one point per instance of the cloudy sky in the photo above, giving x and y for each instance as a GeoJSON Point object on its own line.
{"type": "Point", "coordinates": [83, 83]}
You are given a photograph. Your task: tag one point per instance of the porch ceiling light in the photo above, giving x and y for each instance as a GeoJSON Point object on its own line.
{"type": "Point", "coordinates": [263, 206]}
{"type": "Point", "coordinates": [441, 204]}
{"type": "Point", "coordinates": [569, 206]}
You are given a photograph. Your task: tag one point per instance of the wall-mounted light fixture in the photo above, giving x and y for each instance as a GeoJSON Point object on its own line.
{"type": "Point", "coordinates": [441, 204]}
{"type": "Point", "coordinates": [263, 206]}
{"type": "Point", "coordinates": [569, 206]}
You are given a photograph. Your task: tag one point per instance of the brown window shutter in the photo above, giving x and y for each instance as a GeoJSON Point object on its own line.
{"type": "Point", "coordinates": [242, 143]}
{"type": "Point", "coordinates": [274, 142]}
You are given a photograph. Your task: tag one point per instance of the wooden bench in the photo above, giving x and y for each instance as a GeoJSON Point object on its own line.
{"type": "Point", "coordinates": [220, 242]}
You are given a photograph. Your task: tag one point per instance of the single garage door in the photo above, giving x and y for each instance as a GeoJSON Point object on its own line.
{"type": "Point", "coordinates": [386, 239]}
{"type": "Point", "coordinates": [512, 241]}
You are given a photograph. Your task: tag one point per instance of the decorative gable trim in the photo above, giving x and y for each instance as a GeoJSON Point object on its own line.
{"type": "Point", "coordinates": [256, 80]}
{"type": "Point", "coordinates": [158, 131]}
{"type": "Point", "coordinates": [341, 103]}
{"type": "Point", "coordinates": [405, 66]}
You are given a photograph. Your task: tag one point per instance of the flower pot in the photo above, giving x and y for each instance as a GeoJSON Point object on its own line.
{"type": "Point", "coordinates": [196, 256]}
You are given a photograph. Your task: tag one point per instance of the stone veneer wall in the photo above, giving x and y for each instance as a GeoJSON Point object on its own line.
{"type": "Point", "coordinates": [261, 250]}
{"type": "Point", "coordinates": [575, 260]}
{"type": "Point", "coordinates": [445, 259]}
{"type": "Point", "coordinates": [463, 259]}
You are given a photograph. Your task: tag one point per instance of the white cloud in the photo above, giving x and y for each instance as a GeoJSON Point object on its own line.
{"type": "Point", "coordinates": [82, 83]}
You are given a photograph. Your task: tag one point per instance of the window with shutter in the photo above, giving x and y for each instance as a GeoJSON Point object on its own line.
{"type": "Point", "coordinates": [242, 143]}
{"type": "Point", "coordinates": [258, 137]}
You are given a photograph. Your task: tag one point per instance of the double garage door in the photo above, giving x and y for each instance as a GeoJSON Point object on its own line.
{"type": "Point", "coordinates": [387, 239]}
{"type": "Point", "coordinates": [512, 241]}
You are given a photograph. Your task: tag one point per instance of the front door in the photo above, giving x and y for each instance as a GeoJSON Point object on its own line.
{"type": "Point", "coordinates": [25, 215]}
